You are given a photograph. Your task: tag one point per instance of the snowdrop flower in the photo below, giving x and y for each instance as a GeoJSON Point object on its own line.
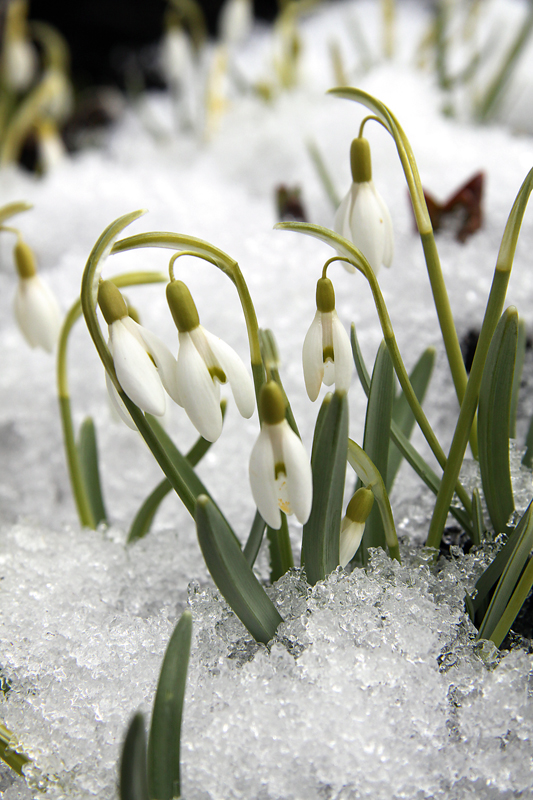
{"type": "Point", "coordinates": [235, 23]}
{"type": "Point", "coordinates": [280, 472]}
{"type": "Point", "coordinates": [204, 362]}
{"type": "Point", "coordinates": [19, 58]}
{"type": "Point", "coordinates": [353, 524]}
{"type": "Point", "coordinates": [327, 353]}
{"type": "Point", "coordinates": [362, 217]}
{"type": "Point", "coordinates": [139, 357]}
{"type": "Point", "coordinates": [36, 309]}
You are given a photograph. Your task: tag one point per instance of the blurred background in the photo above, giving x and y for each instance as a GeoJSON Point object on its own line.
{"type": "Point", "coordinates": [112, 41]}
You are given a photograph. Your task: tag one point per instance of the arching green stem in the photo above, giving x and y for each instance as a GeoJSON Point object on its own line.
{"type": "Point", "coordinates": [440, 295]}
{"type": "Point", "coordinates": [177, 241]}
{"type": "Point", "coordinates": [89, 292]}
{"type": "Point", "coordinates": [493, 313]}
{"type": "Point", "coordinates": [73, 462]}
{"type": "Point", "coordinates": [355, 257]}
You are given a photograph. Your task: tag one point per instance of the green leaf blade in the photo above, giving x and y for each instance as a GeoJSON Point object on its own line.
{"type": "Point", "coordinates": [88, 454]}
{"type": "Point", "coordinates": [232, 574]}
{"type": "Point", "coordinates": [165, 730]}
{"type": "Point", "coordinates": [133, 778]}
{"type": "Point", "coordinates": [494, 419]}
{"type": "Point", "coordinates": [376, 440]}
{"type": "Point", "coordinates": [320, 538]}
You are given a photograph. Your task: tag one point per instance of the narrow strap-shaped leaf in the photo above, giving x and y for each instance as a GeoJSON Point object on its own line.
{"type": "Point", "coordinates": [232, 573]}
{"type": "Point", "coordinates": [411, 455]}
{"type": "Point", "coordinates": [493, 420]}
{"type": "Point", "coordinates": [371, 478]}
{"type": "Point", "coordinates": [88, 453]}
{"type": "Point", "coordinates": [518, 368]}
{"type": "Point", "coordinates": [146, 513]}
{"type": "Point", "coordinates": [320, 538]}
{"type": "Point", "coordinates": [488, 579]}
{"type": "Point", "coordinates": [165, 729]}
{"type": "Point", "coordinates": [478, 527]}
{"type": "Point", "coordinates": [8, 752]}
{"type": "Point", "coordinates": [144, 517]}
{"type": "Point", "coordinates": [377, 438]}
{"type": "Point", "coordinates": [133, 778]}
{"type": "Point", "coordinates": [182, 465]}
{"type": "Point", "coordinates": [255, 537]}
{"type": "Point", "coordinates": [509, 578]}
{"type": "Point", "coordinates": [514, 605]}
{"type": "Point", "coordinates": [279, 543]}
{"type": "Point", "coordinates": [401, 410]}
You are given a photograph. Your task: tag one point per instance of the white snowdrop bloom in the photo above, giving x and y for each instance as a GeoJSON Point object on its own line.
{"type": "Point", "coordinates": [327, 353]}
{"type": "Point", "coordinates": [50, 146]}
{"type": "Point", "coordinates": [362, 217]}
{"type": "Point", "coordinates": [353, 524]}
{"type": "Point", "coordinates": [139, 357]}
{"type": "Point", "coordinates": [235, 23]}
{"type": "Point", "coordinates": [36, 309]}
{"type": "Point", "coordinates": [204, 362]}
{"type": "Point", "coordinates": [280, 472]}
{"type": "Point", "coordinates": [19, 64]}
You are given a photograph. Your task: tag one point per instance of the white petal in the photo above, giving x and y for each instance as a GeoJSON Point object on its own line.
{"type": "Point", "coordinates": [262, 479]}
{"type": "Point", "coordinates": [197, 390]}
{"type": "Point", "coordinates": [164, 360]}
{"type": "Point", "coordinates": [238, 377]}
{"type": "Point", "coordinates": [117, 403]}
{"type": "Point", "coordinates": [135, 370]}
{"type": "Point", "coordinates": [350, 539]}
{"type": "Point", "coordinates": [312, 358]}
{"type": "Point", "coordinates": [388, 252]}
{"type": "Point", "coordinates": [341, 221]}
{"type": "Point", "coordinates": [342, 350]}
{"type": "Point", "coordinates": [298, 470]}
{"type": "Point", "coordinates": [235, 21]}
{"type": "Point", "coordinates": [37, 313]}
{"type": "Point", "coordinates": [367, 226]}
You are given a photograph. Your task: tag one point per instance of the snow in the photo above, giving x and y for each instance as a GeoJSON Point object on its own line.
{"type": "Point", "coordinates": [375, 686]}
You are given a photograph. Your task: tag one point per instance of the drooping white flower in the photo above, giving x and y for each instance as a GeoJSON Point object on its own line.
{"type": "Point", "coordinates": [36, 309]}
{"type": "Point", "coordinates": [204, 362]}
{"type": "Point", "coordinates": [327, 355]}
{"type": "Point", "coordinates": [235, 22]}
{"type": "Point", "coordinates": [19, 58]}
{"type": "Point", "coordinates": [19, 64]}
{"type": "Point", "coordinates": [139, 357]}
{"type": "Point", "coordinates": [362, 217]}
{"type": "Point", "coordinates": [280, 472]}
{"type": "Point", "coordinates": [353, 524]}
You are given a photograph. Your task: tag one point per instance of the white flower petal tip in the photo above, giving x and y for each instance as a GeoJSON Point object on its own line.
{"type": "Point", "coordinates": [236, 20]}
{"type": "Point", "coordinates": [280, 475]}
{"type": "Point", "coordinates": [37, 313]}
{"type": "Point", "coordinates": [135, 369]}
{"type": "Point", "coordinates": [364, 219]}
{"type": "Point", "coordinates": [326, 355]}
{"type": "Point", "coordinates": [351, 537]}
{"type": "Point", "coordinates": [204, 361]}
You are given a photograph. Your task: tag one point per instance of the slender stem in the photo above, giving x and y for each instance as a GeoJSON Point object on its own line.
{"type": "Point", "coordinates": [226, 264]}
{"type": "Point", "coordinates": [360, 263]}
{"type": "Point", "coordinates": [281, 558]}
{"type": "Point", "coordinates": [423, 221]}
{"type": "Point", "coordinates": [77, 482]}
{"type": "Point", "coordinates": [493, 312]}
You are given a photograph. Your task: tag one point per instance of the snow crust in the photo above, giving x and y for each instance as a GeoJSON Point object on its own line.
{"type": "Point", "coordinates": [374, 686]}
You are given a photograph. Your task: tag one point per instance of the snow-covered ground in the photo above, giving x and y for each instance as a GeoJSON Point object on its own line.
{"type": "Point", "coordinates": [375, 688]}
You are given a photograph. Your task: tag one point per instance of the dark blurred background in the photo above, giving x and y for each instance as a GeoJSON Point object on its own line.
{"type": "Point", "coordinates": [111, 39]}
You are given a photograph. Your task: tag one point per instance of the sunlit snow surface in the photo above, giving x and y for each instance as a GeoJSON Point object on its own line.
{"type": "Point", "coordinates": [375, 687]}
